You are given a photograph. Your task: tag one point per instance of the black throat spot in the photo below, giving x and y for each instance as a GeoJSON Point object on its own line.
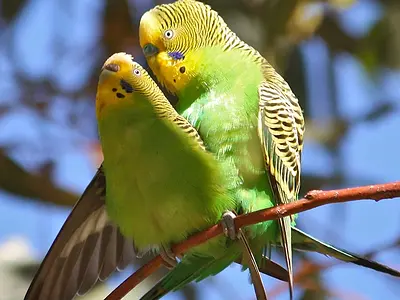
{"type": "Point", "coordinates": [126, 86]}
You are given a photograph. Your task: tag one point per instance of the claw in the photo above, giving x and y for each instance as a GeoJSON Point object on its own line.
{"type": "Point", "coordinates": [228, 225]}
{"type": "Point", "coordinates": [139, 253]}
{"type": "Point", "coordinates": [168, 257]}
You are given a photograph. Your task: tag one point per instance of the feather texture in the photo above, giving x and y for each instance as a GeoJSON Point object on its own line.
{"type": "Point", "coordinates": [91, 246]}
{"type": "Point", "coordinates": [87, 248]}
{"type": "Point", "coordinates": [281, 122]}
{"type": "Point", "coordinates": [245, 112]}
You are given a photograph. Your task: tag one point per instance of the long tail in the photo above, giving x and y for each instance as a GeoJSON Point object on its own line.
{"type": "Point", "coordinates": [253, 267]}
{"type": "Point", "coordinates": [191, 268]}
{"type": "Point", "coordinates": [285, 228]}
{"type": "Point", "coordinates": [305, 242]}
{"type": "Point", "coordinates": [199, 267]}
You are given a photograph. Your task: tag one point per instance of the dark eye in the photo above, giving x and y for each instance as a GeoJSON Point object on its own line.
{"type": "Point", "coordinates": [169, 34]}
{"type": "Point", "coordinates": [136, 72]}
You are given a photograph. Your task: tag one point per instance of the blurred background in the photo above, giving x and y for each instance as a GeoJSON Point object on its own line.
{"type": "Point", "coordinates": [342, 59]}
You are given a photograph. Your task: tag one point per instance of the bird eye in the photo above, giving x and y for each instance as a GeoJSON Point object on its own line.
{"type": "Point", "coordinates": [136, 72]}
{"type": "Point", "coordinates": [169, 34]}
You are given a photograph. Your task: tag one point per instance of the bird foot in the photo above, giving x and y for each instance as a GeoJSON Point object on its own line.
{"type": "Point", "coordinates": [168, 257]}
{"type": "Point", "coordinates": [139, 253]}
{"type": "Point", "coordinates": [228, 225]}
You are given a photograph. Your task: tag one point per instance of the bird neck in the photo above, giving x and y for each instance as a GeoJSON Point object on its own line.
{"type": "Point", "coordinates": [117, 119]}
{"type": "Point", "coordinates": [212, 69]}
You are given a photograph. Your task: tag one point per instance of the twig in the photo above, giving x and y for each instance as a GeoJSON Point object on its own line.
{"type": "Point", "coordinates": [311, 200]}
{"type": "Point", "coordinates": [16, 180]}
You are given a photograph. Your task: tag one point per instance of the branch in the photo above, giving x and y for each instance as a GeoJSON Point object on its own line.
{"type": "Point", "coordinates": [311, 200]}
{"type": "Point", "coordinates": [14, 179]}
{"type": "Point", "coordinates": [337, 39]}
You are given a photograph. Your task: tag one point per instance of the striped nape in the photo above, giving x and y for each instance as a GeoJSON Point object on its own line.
{"type": "Point", "coordinates": [165, 110]}
{"type": "Point", "coordinates": [201, 26]}
{"type": "Point", "coordinates": [163, 107]}
{"type": "Point", "coordinates": [133, 79]}
{"type": "Point", "coordinates": [184, 15]}
{"type": "Point", "coordinates": [198, 26]}
{"type": "Point", "coordinates": [188, 129]}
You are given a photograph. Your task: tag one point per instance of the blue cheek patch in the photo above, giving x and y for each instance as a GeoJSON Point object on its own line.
{"type": "Point", "coordinates": [176, 55]}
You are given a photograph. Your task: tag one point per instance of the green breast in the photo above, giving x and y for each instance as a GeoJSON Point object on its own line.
{"type": "Point", "coordinates": [221, 102]}
{"type": "Point", "coordinates": [160, 186]}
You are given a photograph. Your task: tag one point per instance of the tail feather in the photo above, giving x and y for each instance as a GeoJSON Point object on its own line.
{"type": "Point", "coordinates": [286, 236]}
{"type": "Point", "coordinates": [191, 268]}
{"type": "Point", "coordinates": [253, 268]}
{"type": "Point", "coordinates": [305, 242]}
{"type": "Point", "coordinates": [270, 268]}
{"type": "Point", "coordinates": [214, 267]}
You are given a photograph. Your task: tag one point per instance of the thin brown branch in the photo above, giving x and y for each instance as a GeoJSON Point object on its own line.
{"type": "Point", "coordinates": [311, 200]}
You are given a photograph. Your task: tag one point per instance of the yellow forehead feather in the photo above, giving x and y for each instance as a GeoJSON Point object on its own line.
{"type": "Point", "coordinates": [150, 29]}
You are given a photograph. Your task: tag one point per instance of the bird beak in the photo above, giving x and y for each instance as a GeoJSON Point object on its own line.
{"type": "Point", "coordinates": [150, 50]}
{"type": "Point", "coordinates": [111, 67]}
{"type": "Point", "coordinates": [149, 34]}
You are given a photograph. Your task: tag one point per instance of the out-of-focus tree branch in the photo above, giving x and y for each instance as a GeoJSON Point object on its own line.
{"type": "Point", "coordinates": [10, 9]}
{"type": "Point", "coordinates": [16, 180]}
{"type": "Point", "coordinates": [275, 28]}
{"type": "Point", "coordinates": [335, 37]}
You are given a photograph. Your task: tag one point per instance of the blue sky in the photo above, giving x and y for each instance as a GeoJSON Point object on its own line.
{"type": "Point", "coordinates": [370, 151]}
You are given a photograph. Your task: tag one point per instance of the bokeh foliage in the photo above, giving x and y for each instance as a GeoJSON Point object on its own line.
{"type": "Point", "coordinates": [278, 29]}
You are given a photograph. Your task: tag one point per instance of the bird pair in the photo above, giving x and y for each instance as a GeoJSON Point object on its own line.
{"type": "Point", "coordinates": [233, 144]}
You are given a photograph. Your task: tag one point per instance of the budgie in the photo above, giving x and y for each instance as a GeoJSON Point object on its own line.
{"type": "Point", "coordinates": [156, 186]}
{"type": "Point", "coordinates": [244, 111]}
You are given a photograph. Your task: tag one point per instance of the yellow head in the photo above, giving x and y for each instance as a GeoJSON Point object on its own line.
{"type": "Point", "coordinates": [169, 33]}
{"type": "Point", "coordinates": [120, 79]}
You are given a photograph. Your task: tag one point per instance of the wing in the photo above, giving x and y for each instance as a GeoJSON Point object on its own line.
{"type": "Point", "coordinates": [280, 129]}
{"type": "Point", "coordinates": [87, 248]}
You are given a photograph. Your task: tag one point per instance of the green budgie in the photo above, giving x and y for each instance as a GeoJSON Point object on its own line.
{"type": "Point", "coordinates": [156, 186]}
{"type": "Point", "coordinates": [245, 113]}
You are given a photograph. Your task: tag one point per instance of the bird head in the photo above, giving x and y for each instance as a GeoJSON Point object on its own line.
{"type": "Point", "coordinates": [120, 80]}
{"type": "Point", "coordinates": [169, 35]}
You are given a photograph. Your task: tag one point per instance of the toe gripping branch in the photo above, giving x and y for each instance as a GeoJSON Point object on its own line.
{"type": "Point", "coordinates": [168, 257]}
{"type": "Point", "coordinates": [229, 229]}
